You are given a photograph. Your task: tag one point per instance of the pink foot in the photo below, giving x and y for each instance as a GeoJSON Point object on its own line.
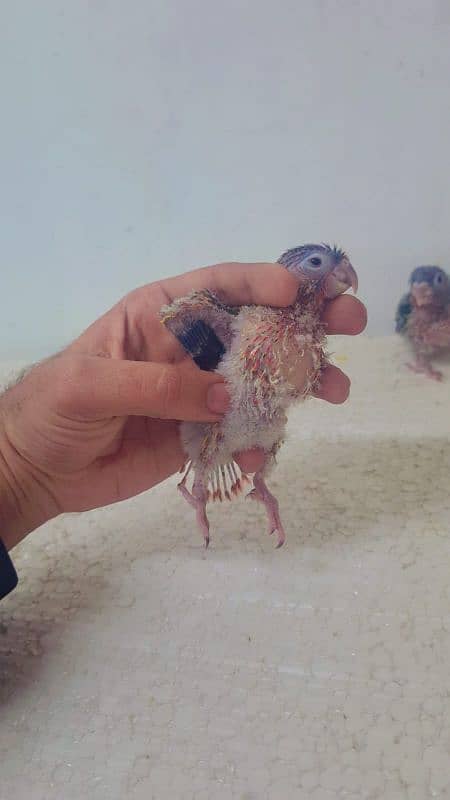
{"type": "Point", "coordinates": [425, 369]}
{"type": "Point", "coordinates": [198, 501]}
{"type": "Point", "coordinates": [262, 494]}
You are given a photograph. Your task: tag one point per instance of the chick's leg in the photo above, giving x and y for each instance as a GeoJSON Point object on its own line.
{"type": "Point", "coordinates": [422, 365]}
{"type": "Point", "coordinates": [261, 493]}
{"type": "Point", "coordinates": [197, 499]}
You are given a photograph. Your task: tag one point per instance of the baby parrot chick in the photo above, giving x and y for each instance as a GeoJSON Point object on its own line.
{"type": "Point", "coordinates": [257, 350]}
{"type": "Point", "coordinates": [423, 316]}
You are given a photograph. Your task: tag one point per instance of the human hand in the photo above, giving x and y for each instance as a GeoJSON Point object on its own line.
{"type": "Point", "coordinates": [98, 423]}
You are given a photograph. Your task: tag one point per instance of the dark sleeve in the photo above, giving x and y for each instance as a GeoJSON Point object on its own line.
{"type": "Point", "coordinates": [8, 575]}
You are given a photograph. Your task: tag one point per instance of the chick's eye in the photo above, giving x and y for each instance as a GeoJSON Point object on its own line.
{"type": "Point", "coordinates": [315, 261]}
{"type": "Point", "coordinates": [438, 279]}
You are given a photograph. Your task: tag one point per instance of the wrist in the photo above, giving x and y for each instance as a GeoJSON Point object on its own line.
{"type": "Point", "coordinates": [21, 507]}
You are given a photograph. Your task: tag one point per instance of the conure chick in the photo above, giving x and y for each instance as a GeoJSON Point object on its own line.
{"type": "Point", "coordinates": [257, 350]}
{"type": "Point", "coordinates": [423, 316]}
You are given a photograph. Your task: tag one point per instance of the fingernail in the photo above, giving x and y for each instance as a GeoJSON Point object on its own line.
{"type": "Point", "coordinates": [218, 399]}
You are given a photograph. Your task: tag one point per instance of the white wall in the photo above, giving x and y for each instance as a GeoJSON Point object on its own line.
{"type": "Point", "coordinates": [141, 138]}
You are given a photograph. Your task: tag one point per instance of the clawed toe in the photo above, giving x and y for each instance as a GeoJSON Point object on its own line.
{"type": "Point", "coordinates": [281, 539]}
{"type": "Point", "coordinates": [423, 369]}
{"type": "Point", "coordinates": [276, 527]}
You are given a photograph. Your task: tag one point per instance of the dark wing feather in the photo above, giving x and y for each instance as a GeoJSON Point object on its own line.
{"type": "Point", "coordinates": [202, 324]}
{"type": "Point", "coordinates": [402, 314]}
{"type": "Point", "coordinates": [203, 344]}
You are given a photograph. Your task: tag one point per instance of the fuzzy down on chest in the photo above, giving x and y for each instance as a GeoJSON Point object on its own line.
{"type": "Point", "coordinates": [275, 359]}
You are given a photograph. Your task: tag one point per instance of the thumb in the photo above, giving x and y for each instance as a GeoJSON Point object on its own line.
{"type": "Point", "coordinates": [101, 387]}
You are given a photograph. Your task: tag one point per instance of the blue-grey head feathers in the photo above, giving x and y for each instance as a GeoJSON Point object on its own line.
{"type": "Point", "coordinates": [432, 275]}
{"type": "Point", "coordinates": [296, 255]}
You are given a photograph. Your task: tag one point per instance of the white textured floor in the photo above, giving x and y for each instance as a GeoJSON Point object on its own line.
{"type": "Point", "coordinates": [135, 665]}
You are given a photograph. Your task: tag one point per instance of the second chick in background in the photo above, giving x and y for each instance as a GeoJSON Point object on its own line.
{"type": "Point", "coordinates": [423, 316]}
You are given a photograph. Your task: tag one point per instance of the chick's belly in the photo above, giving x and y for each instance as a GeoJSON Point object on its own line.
{"type": "Point", "coordinates": [244, 431]}
{"type": "Point", "coordinates": [237, 432]}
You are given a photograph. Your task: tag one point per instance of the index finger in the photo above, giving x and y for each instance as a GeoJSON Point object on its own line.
{"type": "Point", "coordinates": [239, 283]}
